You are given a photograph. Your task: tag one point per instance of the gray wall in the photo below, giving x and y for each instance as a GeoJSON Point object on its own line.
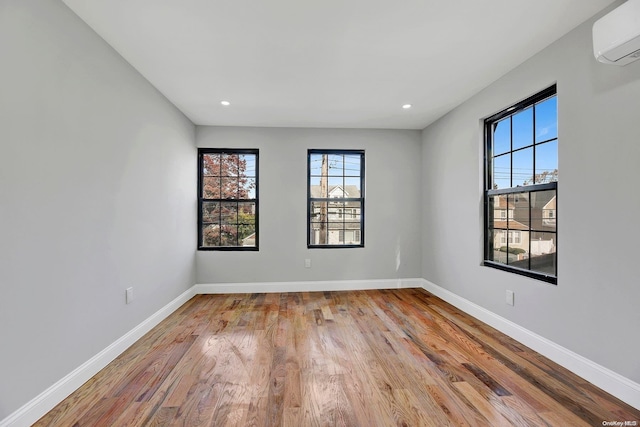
{"type": "Point", "coordinates": [96, 194]}
{"type": "Point", "coordinates": [392, 218]}
{"type": "Point", "coordinates": [594, 308]}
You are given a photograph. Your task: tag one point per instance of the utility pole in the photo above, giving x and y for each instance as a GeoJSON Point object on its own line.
{"type": "Point", "coordinates": [323, 194]}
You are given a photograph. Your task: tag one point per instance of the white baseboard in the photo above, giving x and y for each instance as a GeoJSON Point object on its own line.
{"type": "Point", "coordinates": [33, 410]}
{"type": "Point", "coordinates": [317, 286]}
{"type": "Point", "coordinates": [613, 383]}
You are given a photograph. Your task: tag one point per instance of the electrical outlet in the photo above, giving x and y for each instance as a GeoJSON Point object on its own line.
{"type": "Point", "coordinates": [129, 295]}
{"type": "Point", "coordinates": [307, 263]}
{"type": "Point", "coordinates": [510, 296]}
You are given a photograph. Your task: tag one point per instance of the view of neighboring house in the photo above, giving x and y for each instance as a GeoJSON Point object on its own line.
{"type": "Point", "coordinates": [339, 219]}
{"type": "Point", "coordinates": [549, 213]}
{"type": "Point", "coordinates": [522, 227]}
{"type": "Point", "coordinates": [509, 232]}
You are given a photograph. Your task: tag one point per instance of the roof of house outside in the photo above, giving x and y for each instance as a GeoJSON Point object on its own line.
{"type": "Point", "coordinates": [551, 204]}
{"type": "Point", "coordinates": [513, 225]}
{"type": "Point", "coordinates": [349, 191]}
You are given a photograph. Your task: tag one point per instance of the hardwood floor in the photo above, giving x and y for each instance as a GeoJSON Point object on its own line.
{"type": "Point", "coordinates": [360, 358]}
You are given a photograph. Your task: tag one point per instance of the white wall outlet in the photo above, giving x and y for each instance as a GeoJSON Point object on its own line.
{"type": "Point", "coordinates": [510, 297]}
{"type": "Point", "coordinates": [307, 263]}
{"type": "Point", "coordinates": [129, 295]}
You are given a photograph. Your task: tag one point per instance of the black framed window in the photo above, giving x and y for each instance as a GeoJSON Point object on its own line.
{"type": "Point", "coordinates": [228, 199]}
{"type": "Point", "coordinates": [521, 187]}
{"type": "Point", "coordinates": [335, 198]}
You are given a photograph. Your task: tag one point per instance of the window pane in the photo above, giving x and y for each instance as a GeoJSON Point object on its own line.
{"type": "Point", "coordinates": [336, 186]}
{"type": "Point", "coordinates": [517, 251]}
{"type": "Point", "coordinates": [498, 212]}
{"type": "Point", "coordinates": [229, 235]}
{"type": "Point", "coordinates": [335, 237]}
{"type": "Point", "coordinates": [210, 212]}
{"type": "Point", "coordinates": [247, 213]}
{"type": "Point", "coordinates": [547, 162]}
{"type": "Point", "coordinates": [336, 210]}
{"type": "Point", "coordinates": [316, 189]}
{"type": "Point", "coordinates": [497, 246]}
{"type": "Point", "coordinates": [336, 231]}
{"type": "Point", "coordinates": [229, 165]}
{"type": "Point", "coordinates": [502, 172]}
{"type": "Point", "coordinates": [543, 210]}
{"type": "Point", "coordinates": [352, 210]}
{"type": "Point", "coordinates": [246, 224]}
{"type": "Point", "coordinates": [490, 210]}
{"type": "Point", "coordinates": [502, 137]}
{"type": "Point", "coordinates": [543, 253]}
{"type": "Point", "coordinates": [247, 165]}
{"type": "Point", "coordinates": [229, 188]}
{"type": "Point", "coordinates": [211, 235]}
{"type": "Point", "coordinates": [315, 164]}
{"type": "Point", "coordinates": [229, 213]}
{"type": "Point", "coordinates": [315, 231]}
{"type": "Point", "coordinates": [211, 187]}
{"type": "Point", "coordinates": [547, 119]}
{"type": "Point", "coordinates": [247, 188]}
{"type": "Point", "coordinates": [522, 128]}
{"type": "Point", "coordinates": [211, 164]}
{"type": "Point", "coordinates": [522, 167]}
{"type": "Point", "coordinates": [352, 165]}
{"type": "Point", "coordinates": [247, 235]}
{"type": "Point", "coordinates": [352, 234]}
{"type": "Point", "coordinates": [318, 211]}
{"type": "Point", "coordinates": [336, 165]}
{"type": "Point", "coordinates": [319, 233]}
{"type": "Point", "coordinates": [352, 187]}
{"type": "Point", "coordinates": [519, 213]}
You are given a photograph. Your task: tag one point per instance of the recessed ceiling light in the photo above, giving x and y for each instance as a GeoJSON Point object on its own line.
{"type": "Point", "coordinates": [406, 106]}
{"type": "Point", "coordinates": [225, 103]}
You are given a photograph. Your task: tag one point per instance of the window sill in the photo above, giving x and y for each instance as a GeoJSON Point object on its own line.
{"type": "Point", "coordinates": [528, 273]}
{"type": "Point", "coordinates": [333, 246]}
{"type": "Point", "coordinates": [230, 248]}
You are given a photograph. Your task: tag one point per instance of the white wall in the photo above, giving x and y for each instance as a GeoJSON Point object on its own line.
{"type": "Point", "coordinates": [594, 308]}
{"type": "Point", "coordinates": [392, 217]}
{"type": "Point", "coordinates": [96, 194]}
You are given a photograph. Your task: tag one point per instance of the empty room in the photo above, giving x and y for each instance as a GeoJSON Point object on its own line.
{"type": "Point", "coordinates": [310, 213]}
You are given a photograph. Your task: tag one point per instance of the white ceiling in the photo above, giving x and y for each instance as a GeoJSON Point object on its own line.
{"type": "Point", "coordinates": [327, 63]}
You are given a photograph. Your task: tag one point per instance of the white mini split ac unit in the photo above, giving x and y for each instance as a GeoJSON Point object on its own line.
{"type": "Point", "coordinates": [616, 36]}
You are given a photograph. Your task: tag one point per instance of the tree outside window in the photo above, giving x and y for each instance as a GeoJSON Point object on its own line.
{"type": "Point", "coordinates": [228, 199]}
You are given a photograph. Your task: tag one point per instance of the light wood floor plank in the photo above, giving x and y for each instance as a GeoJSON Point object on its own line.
{"type": "Point", "coordinates": [398, 357]}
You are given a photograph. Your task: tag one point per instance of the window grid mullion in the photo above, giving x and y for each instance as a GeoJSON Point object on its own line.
{"type": "Point", "coordinates": [534, 144]}
{"type": "Point", "coordinates": [510, 157]}
{"type": "Point", "coordinates": [530, 223]}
